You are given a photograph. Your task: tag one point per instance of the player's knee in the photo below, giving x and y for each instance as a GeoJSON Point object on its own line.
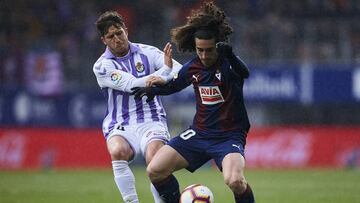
{"type": "Point", "coordinates": [154, 173]}
{"type": "Point", "coordinates": [236, 184]}
{"type": "Point", "coordinates": [119, 153]}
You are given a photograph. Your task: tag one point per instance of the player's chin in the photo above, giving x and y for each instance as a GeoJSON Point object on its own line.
{"type": "Point", "coordinates": [121, 50]}
{"type": "Point", "coordinates": [206, 63]}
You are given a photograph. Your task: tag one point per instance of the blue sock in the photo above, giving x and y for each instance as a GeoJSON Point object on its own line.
{"type": "Point", "coordinates": [168, 189]}
{"type": "Point", "coordinates": [246, 197]}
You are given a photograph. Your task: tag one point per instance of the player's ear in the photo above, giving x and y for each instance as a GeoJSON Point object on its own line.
{"type": "Point", "coordinates": [103, 40]}
{"type": "Point", "coordinates": [126, 31]}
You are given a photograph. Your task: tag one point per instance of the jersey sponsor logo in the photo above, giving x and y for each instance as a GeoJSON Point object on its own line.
{"type": "Point", "coordinates": [115, 77]}
{"type": "Point", "coordinates": [237, 146]}
{"type": "Point", "coordinates": [210, 95]}
{"type": "Point", "coordinates": [139, 67]}
{"type": "Point", "coordinates": [158, 133]}
{"type": "Point", "coordinates": [196, 77]}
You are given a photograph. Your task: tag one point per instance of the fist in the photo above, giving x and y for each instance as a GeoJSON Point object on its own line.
{"type": "Point", "coordinates": [224, 48]}
{"type": "Point", "coordinates": [140, 92]}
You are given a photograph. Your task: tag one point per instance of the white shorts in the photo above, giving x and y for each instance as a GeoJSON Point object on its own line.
{"type": "Point", "coordinates": [140, 135]}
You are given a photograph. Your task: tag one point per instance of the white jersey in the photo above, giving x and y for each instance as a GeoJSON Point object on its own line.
{"type": "Point", "coordinates": [117, 75]}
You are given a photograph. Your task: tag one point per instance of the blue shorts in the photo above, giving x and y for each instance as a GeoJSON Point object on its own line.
{"type": "Point", "coordinates": [198, 148]}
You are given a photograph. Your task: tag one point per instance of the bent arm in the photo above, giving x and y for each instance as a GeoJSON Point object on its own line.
{"type": "Point", "coordinates": [238, 66]}
{"type": "Point", "coordinates": [108, 76]}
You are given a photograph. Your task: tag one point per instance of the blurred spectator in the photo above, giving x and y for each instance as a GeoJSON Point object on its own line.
{"type": "Point", "coordinates": [44, 75]}
{"type": "Point", "coordinates": [11, 63]}
{"type": "Point", "coordinates": [265, 31]}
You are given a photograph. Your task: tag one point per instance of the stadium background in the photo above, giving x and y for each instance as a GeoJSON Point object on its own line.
{"type": "Point", "coordinates": [303, 96]}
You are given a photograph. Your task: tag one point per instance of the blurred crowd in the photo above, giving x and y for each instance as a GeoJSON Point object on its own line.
{"type": "Point", "coordinates": [54, 43]}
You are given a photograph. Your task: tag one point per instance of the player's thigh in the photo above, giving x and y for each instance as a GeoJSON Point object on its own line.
{"type": "Point", "coordinates": [152, 148]}
{"type": "Point", "coordinates": [119, 148]}
{"type": "Point", "coordinates": [166, 161]}
{"type": "Point", "coordinates": [233, 166]}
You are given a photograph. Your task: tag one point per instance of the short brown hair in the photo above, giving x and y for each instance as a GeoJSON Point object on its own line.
{"type": "Point", "coordinates": [108, 19]}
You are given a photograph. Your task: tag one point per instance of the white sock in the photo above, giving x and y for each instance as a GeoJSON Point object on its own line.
{"type": "Point", "coordinates": [125, 181]}
{"type": "Point", "coordinates": [156, 195]}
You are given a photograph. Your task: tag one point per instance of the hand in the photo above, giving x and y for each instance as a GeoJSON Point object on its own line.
{"type": "Point", "coordinates": [224, 48]}
{"type": "Point", "coordinates": [154, 80]}
{"type": "Point", "coordinates": [140, 92]}
{"type": "Point", "coordinates": [168, 55]}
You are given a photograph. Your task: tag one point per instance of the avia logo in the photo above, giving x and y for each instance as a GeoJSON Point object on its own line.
{"type": "Point", "coordinates": [210, 95]}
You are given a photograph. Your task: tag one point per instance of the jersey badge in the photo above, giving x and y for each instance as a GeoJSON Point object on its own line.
{"type": "Point", "coordinates": [218, 75]}
{"type": "Point", "coordinates": [139, 67]}
{"type": "Point", "coordinates": [115, 77]}
{"type": "Point", "coordinates": [210, 95]}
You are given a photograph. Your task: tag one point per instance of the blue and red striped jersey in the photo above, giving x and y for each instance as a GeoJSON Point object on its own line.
{"type": "Point", "coordinates": [219, 98]}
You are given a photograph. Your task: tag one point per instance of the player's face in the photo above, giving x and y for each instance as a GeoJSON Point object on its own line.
{"type": "Point", "coordinates": [206, 51]}
{"type": "Point", "coordinates": [117, 40]}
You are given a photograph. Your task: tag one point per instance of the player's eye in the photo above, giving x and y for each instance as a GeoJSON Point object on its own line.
{"type": "Point", "coordinates": [110, 36]}
{"type": "Point", "coordinates": [209, 50]}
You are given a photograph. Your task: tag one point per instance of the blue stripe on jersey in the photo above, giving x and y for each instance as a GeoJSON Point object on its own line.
{"type": "Point", "coordinates": [106, 95]}
{"type": "Point", "coordinates": [133, 68]}
{"type": "Point", "coordinates": [113, 113]}
{"type": "Point", "coordinates": [154, 114]}
{"type": "Point", "coordinates": [139, 105]}
{"type": "Point", "coordinates": [160, 103]}
{"type": "Point", "coordinates": [139, 111]}
{"type": "Point", "coordinates": [125, 109]}
{"type": "Point", "coordinates": [124, 65]}
{"type": "Point", "coordinates": [145, 61]}
{"type": "Point", "coordinates": [117, 66]}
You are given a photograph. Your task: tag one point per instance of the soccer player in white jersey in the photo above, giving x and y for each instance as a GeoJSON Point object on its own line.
{"type": "Point", "coordinates": [131, 126]}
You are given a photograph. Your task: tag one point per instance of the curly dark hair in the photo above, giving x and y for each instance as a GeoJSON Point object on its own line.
{"type": "Point", "coordinates": [207, 22]}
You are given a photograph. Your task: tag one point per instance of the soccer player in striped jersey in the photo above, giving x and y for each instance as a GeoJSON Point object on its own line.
{"type": "Point", "coordinates": [221, 124]}
{"type": "Point", "coordinates": [131, 126]}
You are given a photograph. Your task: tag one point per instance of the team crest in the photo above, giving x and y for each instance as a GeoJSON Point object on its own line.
{"type": "Point", "coordinates": [139, 67]}
{"type": "Point", "coordinates": [218, 75]}
{"type": "Point", "coordinates": [210, 95]}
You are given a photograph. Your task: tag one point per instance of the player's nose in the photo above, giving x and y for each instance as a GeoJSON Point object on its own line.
{"type": "Point", "coordinates": [117, 38]}
{"type": "Point", "coordinates": [202, 56]}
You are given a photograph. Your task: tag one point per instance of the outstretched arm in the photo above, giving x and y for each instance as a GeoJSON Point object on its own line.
{"type": "Point", "coordinates": [108, 75]}
{"type": "Point", "coordinates": [178, 83]}
{"type": "Point", "coordinates": [151, 92]}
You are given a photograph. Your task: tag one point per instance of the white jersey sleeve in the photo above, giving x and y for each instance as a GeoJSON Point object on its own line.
{"type": "Point", "coordinates": [108, 76]}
